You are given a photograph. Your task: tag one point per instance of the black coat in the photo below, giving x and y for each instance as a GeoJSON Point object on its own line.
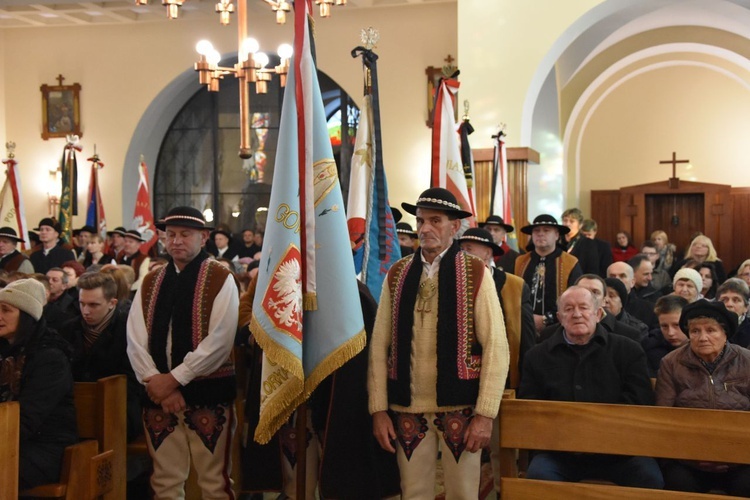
{"type": "Point", "coordinates": [656, 347]}
{"type": "Point", "coordinates": [55, 258]}
{"type": "Point", "coordinates": [608, 322]}
{"type": "Point", "coordinates": [587, 253]}
{"type": "Point", "coordinates": [48, 415]}
{"type": "Point", "coordinates": [642, 310]}
{"type": "Point", "coordinates": [609, 369]}
{"type": "Point", "coordinates": [106, 357]}
{"type": "Point", "coordinates": [605, 256]}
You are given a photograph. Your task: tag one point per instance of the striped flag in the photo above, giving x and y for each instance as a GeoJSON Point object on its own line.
{"type": "Point", "coordinates": [447, 166]}
{"type": "Point", "coordinates": [95, 212]}
{"type": "Point", "coordinates": [500, 199]}
{"type": "Point", "coordinates": [372, 229]}
{"type": "Point", "coordinates": [306, 313]}
{"type": "Point", "coordinates": [12, 211]}
{"type": "Point", "coordinates": [143, 217]}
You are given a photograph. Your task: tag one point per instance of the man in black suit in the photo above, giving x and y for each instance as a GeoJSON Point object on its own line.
{"type": "Point", "coordinates": [52, 253]}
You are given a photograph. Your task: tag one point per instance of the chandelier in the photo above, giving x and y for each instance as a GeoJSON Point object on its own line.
{"type": "Point", "coordinates": [251, 63]}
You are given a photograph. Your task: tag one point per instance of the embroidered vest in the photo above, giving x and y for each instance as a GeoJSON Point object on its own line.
{"type": "Point", "coordinates": [134, 262]}
{"type": "Point", "coordinates": [510, 294]}
{"type": "Point", "coordinates": [219, 386]}
{"type": "Point", "coordinates": [12, 261]}
{"type": "Point", "coordinates": [459, 353]}
{"type": "Point", "coordinates": [564, 265]}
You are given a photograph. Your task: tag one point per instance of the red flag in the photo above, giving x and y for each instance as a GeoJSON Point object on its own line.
{"type": "Point", "coordinates": [143, 217]}
{"type": "Point", "coordinates": [447, 165]}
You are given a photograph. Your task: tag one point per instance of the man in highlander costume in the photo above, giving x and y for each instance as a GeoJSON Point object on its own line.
{"type": "Point", "coordinates": [439, 356]}
{"type": "Point", "coordinates": [181, 330]}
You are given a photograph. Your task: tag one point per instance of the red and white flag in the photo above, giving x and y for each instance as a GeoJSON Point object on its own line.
{"type": "Point", "coordinates": [447, 165]}
{"type": "Point", "coordinates": [12, 212]}
{"type": "Point", "coordinates": [143, 217]}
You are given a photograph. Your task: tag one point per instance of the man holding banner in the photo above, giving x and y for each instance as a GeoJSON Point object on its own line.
{"type": "Point", "coordinates": [439, 374]}
{"type": "Point", "coordinates": [181, 331]}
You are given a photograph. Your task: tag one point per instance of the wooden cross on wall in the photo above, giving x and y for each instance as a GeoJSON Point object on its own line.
{"type": "Point", "coordinates": [674, 181]}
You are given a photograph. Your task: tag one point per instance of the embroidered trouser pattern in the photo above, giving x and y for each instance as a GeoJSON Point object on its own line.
{"type": "Point", "coordinates": [288, 441]}
{"type": "Point", "coordinates": [419, 436]}
{"type": "Point", "coordinates": [201, 435]}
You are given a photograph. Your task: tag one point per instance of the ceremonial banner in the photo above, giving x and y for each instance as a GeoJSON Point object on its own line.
{"type": "Point", "coordinates": [306, 227]}
{"type": "Point", "coordinates": [69, 196]}
{"type": "Point", "coordinates": [143, 217]}
{"type": "Point", "coordinates": [500, 199]}
{"type": "Point", "coordinates": [372, 230]}
{"type": "Point", "coordinates": [447, 166]}
{"type": "Point", "coordinates": [95, 212]}
{"type": "Point", "coordinates": [467, 159]}
{"type": "Point", "coordinates": [12, 211]}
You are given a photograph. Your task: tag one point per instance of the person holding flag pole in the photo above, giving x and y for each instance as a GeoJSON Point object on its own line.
{"type": "Point", "coordinates": [13, 215]}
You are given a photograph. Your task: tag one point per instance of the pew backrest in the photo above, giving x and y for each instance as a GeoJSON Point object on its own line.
{"type": "Point", "coordinates": [9, 436]}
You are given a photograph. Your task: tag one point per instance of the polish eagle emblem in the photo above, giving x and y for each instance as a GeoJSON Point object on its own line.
{"type": "Point", "coordinates": [283, 298]}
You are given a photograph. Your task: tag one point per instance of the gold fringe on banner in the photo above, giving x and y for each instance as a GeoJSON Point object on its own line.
{"type": "Point", "coordinates": [334, 361]}
{"type": "Point", "coordinates": [309, 301]}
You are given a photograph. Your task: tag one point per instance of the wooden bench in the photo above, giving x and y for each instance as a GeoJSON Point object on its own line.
{"type": "Point", "coordinates": [95, 466]}
{"type": "Point", "coordinates": [660, 432]}
{"type": "Point", "coordinates": [9, 435]}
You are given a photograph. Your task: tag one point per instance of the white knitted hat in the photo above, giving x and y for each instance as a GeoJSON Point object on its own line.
{"type": "Point", "coordinates": [689, 274]}
{"type": "Point", "coordinates": [28, 295]}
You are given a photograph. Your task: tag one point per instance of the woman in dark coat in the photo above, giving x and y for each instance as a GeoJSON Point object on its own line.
{"type": "Point", "coordinates": [35, 371]}
{"type": "Point", "coordinates": [708, 372]}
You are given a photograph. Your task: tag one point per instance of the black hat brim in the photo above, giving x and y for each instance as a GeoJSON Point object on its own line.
{"type": "Point", "coordinates": [508, 228]}
{"type": "Point", "coordinates": [412, 209]}
{"type": "Point", "coordinates": [162, 225]}
{"type": "Point", "coordinates": [530, 228]}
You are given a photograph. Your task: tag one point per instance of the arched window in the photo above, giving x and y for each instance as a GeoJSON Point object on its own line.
{"type": "Point", "coordinates": [198, 163]}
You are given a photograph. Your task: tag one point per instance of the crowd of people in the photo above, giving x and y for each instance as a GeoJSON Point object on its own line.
{"type": "Point", "coordinates": [461, 317]}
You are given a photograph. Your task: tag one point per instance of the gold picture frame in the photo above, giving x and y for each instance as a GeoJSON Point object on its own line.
{"type": "Point", "coordinates": [61, 110]}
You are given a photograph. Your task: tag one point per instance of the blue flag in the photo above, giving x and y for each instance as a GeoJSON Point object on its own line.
{"type": "Point", "coordinates": [306, 314]}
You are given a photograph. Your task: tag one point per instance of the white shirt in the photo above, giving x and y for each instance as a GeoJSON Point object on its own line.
{"type": "Point", "coordinates": [206, 358]}
{"type": "Point", "coordinates": [432, 269]}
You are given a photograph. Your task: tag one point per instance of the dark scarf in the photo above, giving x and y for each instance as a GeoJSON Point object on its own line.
{"type": "Point", "coordinates": [457, 383]}
{"type": "Point", "coordinates": [91, 332]}
{"type": "Point", "coordinates": [174, 305]}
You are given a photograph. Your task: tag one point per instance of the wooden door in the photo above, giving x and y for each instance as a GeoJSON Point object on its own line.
{"type": "Point", "coordinates": [681, 216]}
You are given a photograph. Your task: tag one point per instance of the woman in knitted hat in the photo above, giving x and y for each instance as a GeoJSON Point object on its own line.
{"type": "Point", "coordinates": [35, 371]}
{"type": "Point", "coordinates": [707, 372]}
{"type": "Point", "coordinates": [688, 283]}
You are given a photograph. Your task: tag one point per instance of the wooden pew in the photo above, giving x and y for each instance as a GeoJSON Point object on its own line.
{"type": "Point", "coordinates": [96, 465]}
{"type": "Point", "coordinates": [9, 435]}
{"type": "Point", "coordinates": [678, 433]}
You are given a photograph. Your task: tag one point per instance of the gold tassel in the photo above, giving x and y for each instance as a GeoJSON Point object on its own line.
{"type": "Point", "coordinates": [310, 301]}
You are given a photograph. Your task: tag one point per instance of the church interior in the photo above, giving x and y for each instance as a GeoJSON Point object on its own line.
{"type": "Point", "coordinates": [602, 90]}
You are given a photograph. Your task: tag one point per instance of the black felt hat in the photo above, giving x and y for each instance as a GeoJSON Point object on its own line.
{"type": "Point", "coordinates": [709, 309]}
{"type": "Point", "coordinates": [496, 220]}
{"type": "Point", "coordinates": [10, 233]}
{"type": "Point", "coordinates": [48, 221]}
{"type": "Point", "coordinates": [397, 215]}
{"type": "Point", "coordinates": [183, 217]}
{"type": "Point", "coordinates": [479, 235]}
{"type": "Point", "coordinates": [437, 199]}
{"type": "Point", "coordinates": [223, 231]}
{"type": "Point", "coordinates": [133, 234]}
{"type": "Point", "coordinates": [87, 229]}
{"type": "Point", "coordinates": [119, 230]}
{"type": "Point", "coordinates": [405, 228]}
{"type": "Point", "coordinates": [545, 220]}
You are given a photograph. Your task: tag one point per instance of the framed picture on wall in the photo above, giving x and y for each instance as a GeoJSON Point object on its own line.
{"type": "Point", "coordinates": [61, 110]}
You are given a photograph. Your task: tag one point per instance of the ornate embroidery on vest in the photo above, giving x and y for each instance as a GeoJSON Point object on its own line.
{"type": "Point", "coordinates": [396, 284]}
{"type": "Point", "coordinates": [469, 366]}
{"type": "Point", "coordinates": [149, 298]}
{"type": "Point", "coordinates": [202, 304]}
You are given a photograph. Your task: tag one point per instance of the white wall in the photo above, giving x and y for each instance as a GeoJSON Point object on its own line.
{"type": "Point", "coordinates": [122, 68]}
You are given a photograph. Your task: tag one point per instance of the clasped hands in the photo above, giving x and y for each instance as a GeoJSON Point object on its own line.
{"type": "Point", "coordinates": [163, 389]}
